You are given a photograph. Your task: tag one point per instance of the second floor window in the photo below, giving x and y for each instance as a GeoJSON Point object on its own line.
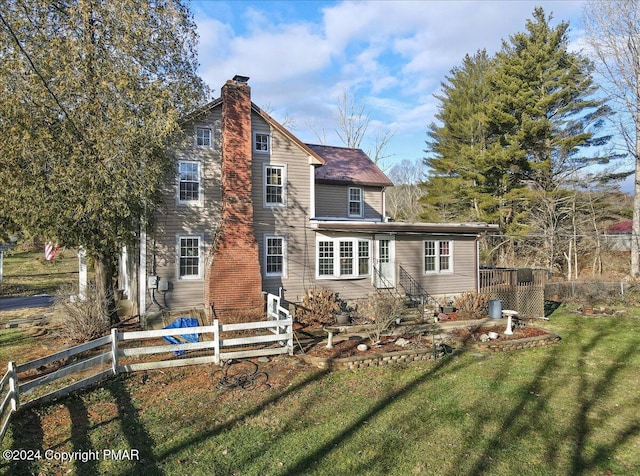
{"type": "Point", "coordinates": [355, 202]}
{"type": "Point", "coordinates": [203, 137]}
{"type": "Point", "coordinates": [274, 185]}
{"type": "Point", "coordinates": [189, 182]}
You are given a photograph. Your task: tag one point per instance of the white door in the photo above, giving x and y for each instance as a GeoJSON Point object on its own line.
{"type": "Point", "coordinates": [385, 274]}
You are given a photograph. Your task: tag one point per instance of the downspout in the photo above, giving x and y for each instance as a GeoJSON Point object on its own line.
{"type": "Point", "coordinates": [477, 259]}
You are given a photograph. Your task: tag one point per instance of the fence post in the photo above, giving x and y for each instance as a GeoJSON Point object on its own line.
{"type": "Point", "coordinates": [114, 350]}
{"type": "Point", "coordinates": [290, 339]}
{"type": "Point", "coordinates": [13, 386]}
{"type": "Point", "coordinates": [216, 341]}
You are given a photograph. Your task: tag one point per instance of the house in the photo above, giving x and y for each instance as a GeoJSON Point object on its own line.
{"type": "Point", "coordinates": [618, 236]}
{"type": "Point", "coordinates": [254, 209]}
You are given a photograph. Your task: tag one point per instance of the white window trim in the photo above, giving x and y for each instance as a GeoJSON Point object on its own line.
{"type": "Point", "coordinates": [437, 257]}
{"type": "Point", "coordinates": [264, 186]}
{"type": "Point", "coordinates": [255, 143]}
{"type": "Point", "coordinates": [336, 257]}
{"type": "Point", "coordinates": [191, 277]}
{"type": "Point", "coordinates": [195, 136]}
{"type": "Point", "coordinates": [283, 274]}
{"type": "Point", "coordinates": [349, 201]}
{"type": "Point", "coordinates": [199, 201]}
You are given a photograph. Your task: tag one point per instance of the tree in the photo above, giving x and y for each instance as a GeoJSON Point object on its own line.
{"type": "Point", "coordinates": [403, 199]}
{"type": "Point", "coordinates": [613, 32]}
{"type": "Point", "coordinates": [92, 96]}
{"type": "Point", "coordinates": [353, 123]}
{"type": "Point", "coordinates": [515, 130]}
{"type": "Point", "coordinates": [460, 185]}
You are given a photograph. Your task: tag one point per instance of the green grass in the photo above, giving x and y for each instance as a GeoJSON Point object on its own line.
{"type": "Point", "coordinates": [28, 274]}
{"type": "Point", "coordinates": [566, 409]}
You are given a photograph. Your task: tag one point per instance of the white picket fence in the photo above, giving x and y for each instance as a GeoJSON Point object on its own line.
{"type": "Point", "coordinates": [116, 353]}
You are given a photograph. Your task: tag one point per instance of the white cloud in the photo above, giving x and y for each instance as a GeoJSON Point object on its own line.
{"type": "Point", "coordinates": [394, 54]}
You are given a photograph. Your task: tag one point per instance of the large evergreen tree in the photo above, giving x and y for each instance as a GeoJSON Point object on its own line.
{"type": "Point", "coordinates": [457, 187]}
{"type": "Point", "coordinates": [92, 93]}
{"type": "Point", "coordinates": [517, 130]}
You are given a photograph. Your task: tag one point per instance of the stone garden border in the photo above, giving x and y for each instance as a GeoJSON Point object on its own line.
{"type": "Point", "coordinates": [408, 356]}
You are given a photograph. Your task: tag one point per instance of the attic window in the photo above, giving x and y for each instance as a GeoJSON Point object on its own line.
{"type": "Point", "coordinates": [203, 137]}
{"type": "Point", "coordinates": [261, 142]}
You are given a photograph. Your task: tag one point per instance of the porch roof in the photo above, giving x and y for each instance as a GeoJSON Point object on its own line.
{"type": "Point", "coordinates": [473, 228]}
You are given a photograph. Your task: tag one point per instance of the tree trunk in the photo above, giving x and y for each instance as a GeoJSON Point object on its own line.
{"type": "Point", "coordinates": [104, 285]}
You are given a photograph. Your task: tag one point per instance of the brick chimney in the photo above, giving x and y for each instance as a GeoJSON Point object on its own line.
{"type": "Point", "coordinates": [234, 282]}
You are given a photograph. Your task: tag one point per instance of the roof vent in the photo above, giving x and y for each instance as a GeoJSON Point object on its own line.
{"type": "Point", "coordinates": [240, 79]}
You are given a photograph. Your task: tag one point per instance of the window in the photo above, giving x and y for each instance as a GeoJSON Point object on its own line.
{"type": "Point", "coordinates": [346, 258]}
{"type": "Point", "coordinates": [438, 256]}
{"type": "Point", "coordinates": [349, 261]}
{"type": "Point", "coordinates": [203, 137]}
{"type": "Point", "coordinates": [274, 249]}
{"type": "Point", "coordinates": [355, 202]}
{"type": "Point", "coordinates": [274, 185]}
{"type": "Point", "coordinates": [363, 258]}
{"type": "Point", "coordinates": [325, 258]}
{"type": "Point", "coordinates": [188, 182]}
{"type": "Point", "coordinates": [189, 257]}
{"type": "Point", "coordinates": [261, 142]}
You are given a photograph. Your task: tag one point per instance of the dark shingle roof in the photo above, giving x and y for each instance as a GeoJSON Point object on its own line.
{"type": "Point", "coordinates": [352, 166]}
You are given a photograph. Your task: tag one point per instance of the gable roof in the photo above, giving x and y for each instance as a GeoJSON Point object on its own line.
{"type": "Point", "coordinates": [315, 159]}
{"type": "Point", "coordinates": [344, 165]}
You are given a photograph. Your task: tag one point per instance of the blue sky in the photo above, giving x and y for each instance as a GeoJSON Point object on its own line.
{"type": "Point", "coordinates": [301, 56]}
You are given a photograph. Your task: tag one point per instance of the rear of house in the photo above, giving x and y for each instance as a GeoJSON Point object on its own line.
{"type": "Point", "coordinates": [253, 210]}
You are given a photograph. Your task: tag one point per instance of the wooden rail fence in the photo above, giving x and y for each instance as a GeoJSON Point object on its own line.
{"type": "Point", "coordinates": [91, 362]}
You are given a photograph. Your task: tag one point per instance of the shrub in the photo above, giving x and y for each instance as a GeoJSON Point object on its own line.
{"type": "Point", "coordinates": [383, 309]}
{"type": "Point", "coordinates": [472, 305]}
{"type": "Point", "coordinates": [82, 319]}
{"type": "Point", "coordinates": [318, 307]}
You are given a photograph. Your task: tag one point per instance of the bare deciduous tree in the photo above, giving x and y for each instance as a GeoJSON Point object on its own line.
{"type": "Point", "coordinates": [613, 32]}
{"type": "Point", "coordinates": [403, 199]}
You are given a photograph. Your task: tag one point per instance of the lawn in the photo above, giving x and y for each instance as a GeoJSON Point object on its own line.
{"type": "Point", "coordinates": [27, 273]}
{"type": "Point", "coordinates": [571, 409]}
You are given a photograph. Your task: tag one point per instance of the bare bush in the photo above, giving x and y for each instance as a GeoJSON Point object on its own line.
{"type": "Point", "coordinates": [82, 319]}
{"type": "Point", "coordinates": [472, 305]}
{"type": "Point", "coordinates": [383, 310]}
{"type": "Point", "coordinates": [319, 306]}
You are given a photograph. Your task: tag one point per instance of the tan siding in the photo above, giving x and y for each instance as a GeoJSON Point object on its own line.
{"type": "Point", "coordinates": [332, 201]}
{"type": "Point", "coordinates": [291, 221]}
{"type": "Point", "coordinates": [410, 254]}
{"type": "Point", "coordinates": [173, 220]}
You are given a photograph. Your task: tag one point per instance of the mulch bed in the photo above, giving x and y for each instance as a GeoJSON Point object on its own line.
{"type": "Point", "coordinates": [348, 348]}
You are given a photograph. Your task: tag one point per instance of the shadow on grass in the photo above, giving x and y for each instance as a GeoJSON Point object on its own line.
{"type": "Point", "coordinates": [28, 434]}
{"type": "Point", "coordinates": [80, 440]}
{"type": "Point", "coordinates": [526, 416]}
{"type": "Point", "coordinates": [134, 431]}
{"type": "Point", "coordinates": [196, 439]}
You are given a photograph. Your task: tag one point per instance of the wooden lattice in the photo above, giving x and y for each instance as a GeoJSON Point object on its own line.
{"type": "Point", "coordinates": [507, 285]}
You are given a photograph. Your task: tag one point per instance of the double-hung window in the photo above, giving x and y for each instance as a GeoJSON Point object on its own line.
{"type": "Point", "coordinates": [189, 182]}
{"type": "Point", "coordinates": [275, 255]}
{"type": "Point", "coordinates": [343, 258]}
{"type": "Point", "coordinates": [438, 256]}
{"type": "Point", "coordinates": [261, 142]}
{"type": "Point", "coordinates": [203, 137]}
{"type": "Point", "coordinates": [355, 202]}
{"type": "Point", "coordinates": [189, 266]}
{"type": "Point", "coordinates": [274, 185]}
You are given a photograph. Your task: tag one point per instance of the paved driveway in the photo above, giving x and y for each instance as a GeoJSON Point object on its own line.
{"type": "Point", "coordinates": [20, 302]}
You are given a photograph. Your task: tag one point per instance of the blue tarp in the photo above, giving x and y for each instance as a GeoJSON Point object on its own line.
{"type": "Point", "coordinates": [181, 323]}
